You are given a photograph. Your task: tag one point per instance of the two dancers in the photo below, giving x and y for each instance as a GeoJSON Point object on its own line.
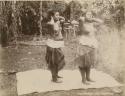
{"type": "Point", "coordinates": [86, 46]}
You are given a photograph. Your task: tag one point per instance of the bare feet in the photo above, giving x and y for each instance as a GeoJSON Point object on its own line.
{"type": "Point", "coordinates": [57, 81]}
{"type": "Point", "coordinates": [59, 76]}
{"type": "Point", "coordinates": [90, 80]}
{"type": "Point", "coordinates": [85, 82]}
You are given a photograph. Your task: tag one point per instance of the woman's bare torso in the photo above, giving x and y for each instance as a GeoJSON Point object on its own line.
{"type": "Point", "coordinates": [87, 27]}
{"type": "Point", "coordinates": [87, 30]}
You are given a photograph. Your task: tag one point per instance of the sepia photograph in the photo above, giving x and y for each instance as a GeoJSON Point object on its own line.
{"type": "Point", "coordinates": [62, 48]}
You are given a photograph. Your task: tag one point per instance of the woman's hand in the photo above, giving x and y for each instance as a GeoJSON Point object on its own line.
{"type": "Point", "coordinates": [62, 19]}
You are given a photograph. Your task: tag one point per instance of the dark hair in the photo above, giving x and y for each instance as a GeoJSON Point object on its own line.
{"type": "Point", "coordinates": [50, 14]}
{"type": "Point", "coordinates": [92, 12]}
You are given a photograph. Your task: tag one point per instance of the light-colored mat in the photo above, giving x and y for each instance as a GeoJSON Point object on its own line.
{"type": "Point", "coordinates": [40, 81]}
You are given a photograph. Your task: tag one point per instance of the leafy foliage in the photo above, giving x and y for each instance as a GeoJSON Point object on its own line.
{"type": "Point", "coordinates": [75, 8]}
{"type": "Point", "coordinates": [27, 14]}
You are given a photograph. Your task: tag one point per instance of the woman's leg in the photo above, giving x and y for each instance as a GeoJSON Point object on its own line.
{"type": "Point", "coordinates": [50, 58]}
{"type": "Point", "coordinates": [55, 76]}
{"type": "Point", "coordinates": [88, 73]}
{"type": "Point", "coordinates": [88, 70]}
{"type": "Point", "coordinates": [60, 61]}
{"type": "Point", "coordinates": [83, 71]}
{"type": "Point", "coordinates": [54, 73]}
{"type": "Point", "coordinates": [55, 65]}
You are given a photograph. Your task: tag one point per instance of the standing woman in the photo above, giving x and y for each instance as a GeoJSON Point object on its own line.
{"type": "Point", "coordinates": [54, 54]}
{"type": "Point", "coordinates": [87, 44]}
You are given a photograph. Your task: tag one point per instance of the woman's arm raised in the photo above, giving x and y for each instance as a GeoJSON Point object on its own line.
{"type": "Point", "coordinates": [98, 20]}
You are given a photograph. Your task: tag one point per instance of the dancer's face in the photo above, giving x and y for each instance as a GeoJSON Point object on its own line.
{"type": "Point", "coordinates": [89, 15]}
{"type": "Point", "coordinates": [56, 15]}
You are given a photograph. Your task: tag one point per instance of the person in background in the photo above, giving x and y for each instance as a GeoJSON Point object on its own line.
{"type": "Point", "coordinates": [54, 55]}
{"type": "Point", "coordinates": [87, 44]}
